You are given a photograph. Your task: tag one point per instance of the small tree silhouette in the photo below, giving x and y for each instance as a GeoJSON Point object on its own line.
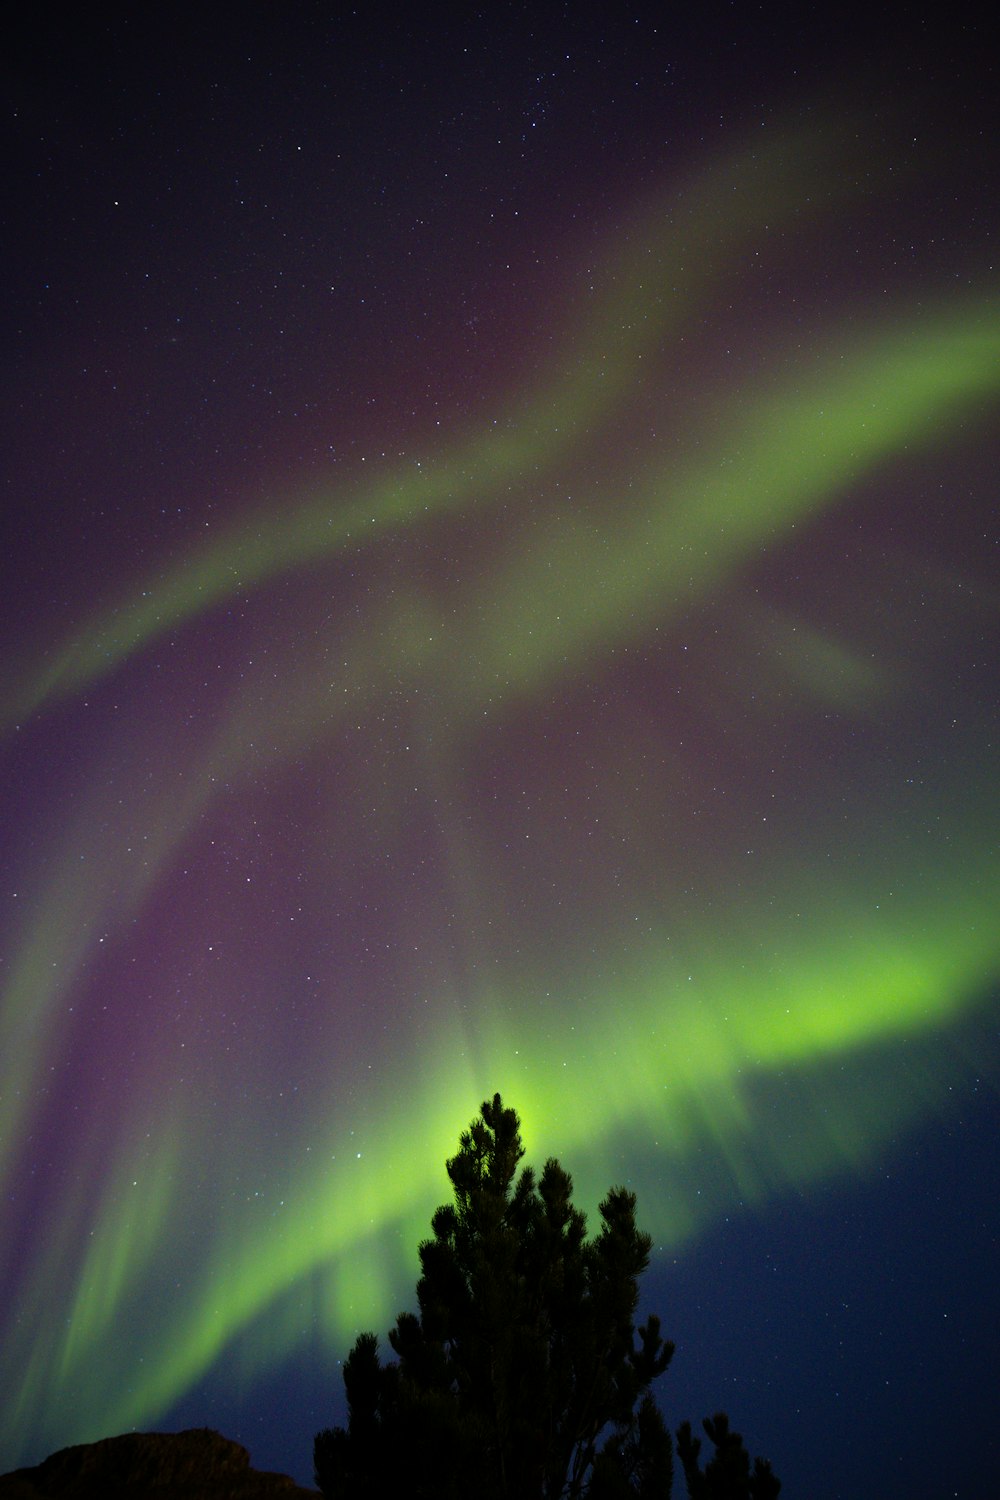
{"type": "Point", "coordinates": [728, 1475]}
{"type": "Point", "coordinates": [522, 1376]}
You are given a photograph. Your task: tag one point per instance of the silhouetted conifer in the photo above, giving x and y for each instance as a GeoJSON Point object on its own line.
{"type": "Point", "coordinates": [522, 1376]}
{"type": "Point", "coordinates": [727, 1475]}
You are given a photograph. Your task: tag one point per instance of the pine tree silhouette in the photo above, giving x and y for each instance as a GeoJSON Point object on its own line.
{"type": "Point", "coordinates": [522, 1375]}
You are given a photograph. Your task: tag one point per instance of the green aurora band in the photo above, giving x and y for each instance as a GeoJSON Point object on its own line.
{"type": "Point", "coordinates": [759, 1053]}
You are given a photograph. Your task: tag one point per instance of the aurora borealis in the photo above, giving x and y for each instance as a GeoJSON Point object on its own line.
{"type": "Point", "coordinates": [502, 594]}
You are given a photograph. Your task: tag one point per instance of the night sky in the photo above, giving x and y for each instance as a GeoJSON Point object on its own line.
{"type": "Point", "coordinates": [500, 592]}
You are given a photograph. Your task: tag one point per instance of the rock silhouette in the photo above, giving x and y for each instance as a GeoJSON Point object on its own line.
{"type": "Point", "coordinates": [196, 1465]}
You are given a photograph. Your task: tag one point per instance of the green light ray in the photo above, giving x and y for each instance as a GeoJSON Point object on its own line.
{"type": "Point", "coordinates": [914, 988]}
{"type": "Point", "coordinates": [106, 868]}
{"type": "Point", "coordinates": [692, 1037]}
{"type": "Point", "coordinates": [679, 1057]}
{"type": "Point", "coordinates": [650, 288]}
{"type": "Point", "coordinates": [540, 612]}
